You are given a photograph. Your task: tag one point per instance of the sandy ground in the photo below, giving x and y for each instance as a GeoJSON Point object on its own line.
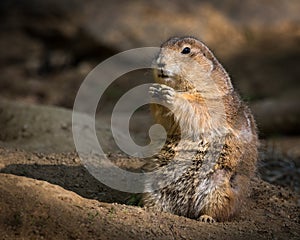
{"type": "Point", "coordinates": [52, 196]}
{"type": "Point", "coordinates": [48, 194]}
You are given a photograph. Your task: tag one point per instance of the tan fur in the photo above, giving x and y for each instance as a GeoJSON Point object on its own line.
{"type": "Point", "coordinates": [206, 117]}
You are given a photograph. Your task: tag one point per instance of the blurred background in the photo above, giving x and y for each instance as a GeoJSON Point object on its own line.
{"type": "Point", "coordinates": [48, 47]}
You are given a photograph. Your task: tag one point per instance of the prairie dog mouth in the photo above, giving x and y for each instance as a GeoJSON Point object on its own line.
{"type": "Point", "coordinates": [164, 74]}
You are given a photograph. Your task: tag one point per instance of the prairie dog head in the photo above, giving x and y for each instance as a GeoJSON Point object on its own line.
{"type": "Point", "coordinates": [186, 64]}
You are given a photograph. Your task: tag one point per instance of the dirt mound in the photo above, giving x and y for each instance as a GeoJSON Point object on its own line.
{"type": "Point", "coordinates": [39, 210]}
{"type": "Point", "coordinates": [33, 208]}
{"type": "Point", "coordinates": [43, 129]}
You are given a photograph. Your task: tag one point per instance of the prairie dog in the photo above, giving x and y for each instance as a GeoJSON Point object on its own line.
{"type": "Point", "coordinates": [208, 127]}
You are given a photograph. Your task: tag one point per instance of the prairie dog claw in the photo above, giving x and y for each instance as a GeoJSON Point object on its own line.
{"type": "Point", "coordinates": [163, 93]}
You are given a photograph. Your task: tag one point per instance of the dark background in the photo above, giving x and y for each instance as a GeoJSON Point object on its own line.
{"type": "Point", "coordinates": [48, 47]}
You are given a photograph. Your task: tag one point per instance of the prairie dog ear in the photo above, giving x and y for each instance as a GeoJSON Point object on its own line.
{"type": "Point", "coordinates": [211, 66]}
{"type": "Point", "coordinates": [206, 54]}
{"type": "Point", "coordinates": [204, 63]}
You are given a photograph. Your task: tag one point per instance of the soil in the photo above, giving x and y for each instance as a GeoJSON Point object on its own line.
{"type": "Point", "coordinates": [46, 192]}
{"type": "Point", "coordinates": [52, 196]}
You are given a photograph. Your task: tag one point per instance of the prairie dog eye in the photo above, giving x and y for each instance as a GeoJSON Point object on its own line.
{"type": "Point", "coordinates": [186, 50]}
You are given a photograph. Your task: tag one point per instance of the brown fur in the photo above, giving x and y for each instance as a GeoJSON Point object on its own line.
{"type": "Point", "coordinates": [209, 118]}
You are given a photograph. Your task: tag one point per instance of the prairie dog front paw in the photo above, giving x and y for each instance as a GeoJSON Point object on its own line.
{"type": "Point", "coordinates": [162, 93]}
